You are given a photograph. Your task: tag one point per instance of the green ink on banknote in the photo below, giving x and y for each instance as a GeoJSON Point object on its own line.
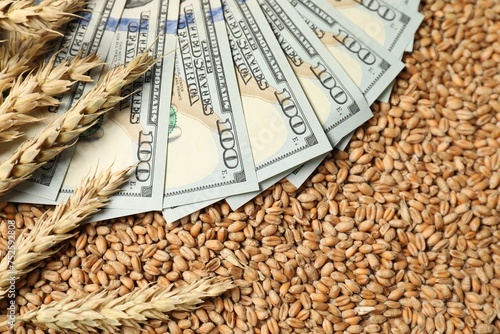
{"type": "Point", "coordinates": [173, 120]}
{"type": "Point", "coordinates": [95, 131]}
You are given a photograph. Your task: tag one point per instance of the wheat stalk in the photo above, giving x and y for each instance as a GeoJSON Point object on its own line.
{"type": "Point", "coordinates": [92, 194]}
{"type": "Point", "coordinates": [65, 129]}
{"type": "Point", "coordinates": [37, 89]}
{"type": "Point", "coordinates": [23, 16]}
{"type": "Point", "coordinates": [107, 311]}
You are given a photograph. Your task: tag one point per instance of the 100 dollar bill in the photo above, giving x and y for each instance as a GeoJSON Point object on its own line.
{"type": "Point", "coordinates": [284, 130]}
{"type": "Point", "coordinates": [135, 132]}
{"type": "Point", "coordinates": [410, 5]}
{"type": "Point", "coordinates": [388, 23]}
{"type": "Point", "coordinates": [370, 66]}
{"type": "Point", "coordinates": [337, 101]}
{"type": "Point", "coordinates": [177, 212]}
{"type": "Point", "coordinates": [209, 153]}
{"type": "Point", "coordinates": [90, 34]}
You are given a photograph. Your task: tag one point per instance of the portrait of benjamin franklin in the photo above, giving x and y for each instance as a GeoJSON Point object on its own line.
{"type": "Point", "coordinates": [136, 3]}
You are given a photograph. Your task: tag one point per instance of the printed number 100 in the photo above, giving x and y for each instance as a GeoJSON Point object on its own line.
{"type": "Point", "coordinates": [228, 142]}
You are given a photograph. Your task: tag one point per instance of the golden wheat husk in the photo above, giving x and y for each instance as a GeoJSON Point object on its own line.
{"type": "Point", "coordinates": [25, 41]}
{"type": "Point", "coordinates": [89, 197]}
{"type": "Point", "coordinates": [8, 126]}
{"type": "Point", "coordinates": [107, 311]}
{"type": "Point", "coordinates": [25, 17]}
{"type": "Point", "coordinates": [65, 129]}
{"type": "Point", "coordinates": [37, 90]}
{"type": "Point", "coordinates": [19, 55]}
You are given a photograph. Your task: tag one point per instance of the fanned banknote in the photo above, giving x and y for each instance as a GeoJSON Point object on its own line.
{"type": "Point", "coordinates": [236, 201]}
{"type": "Point", "coordinates": [175, 213]}
{"type": "Point", "coordinates": [337, 101]}
{"type": "Point", "coordinates": [284, 130]}
{"type": "Point", "coordinates": [370, 66]}
{"type": "Point", "coordinates": [387, 22]}
{"type": "Point", "coordinates": [135, 132]}
{"type": "Point", "coordinates": [209, 153]}
{"type": "Point", "coordinates": [250, 92]}
{"type": "Point", "coordinates": [91, 33]}
{"type": "Point", "coordinates": [411, 6]}
{"type": "Point", "coordinates": [299, 175]}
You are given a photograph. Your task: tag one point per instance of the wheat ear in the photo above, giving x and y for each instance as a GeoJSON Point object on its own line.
{"type": "Point", "coordinates": [65, 129]}
{"type": "Point", "coordinates": [23, 17]}
{"type": "Point", "coordinates": [38, 89]}
{"type": "Point", "coordinates": [107, 311]}
{"type": "Point", "coordinates": [20, 50]}
{"type": "Point", "coordinates": [18, 55]}
{"type": "Point", "coordinates": [92, 194]}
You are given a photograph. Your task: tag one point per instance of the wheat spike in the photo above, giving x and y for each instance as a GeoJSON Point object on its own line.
{"type": "Point", "coordinates": [24, 17]}
{"type": "Point", "coordinates": [18, 55]}
{"type": "Point", "coordinates": [107, 311]}
{"type": "Point", "coordinates": [21, 47]}
{"type": "Point", "coordinates": [65, 129]}
{"type": "Point", "coordinates": [92, 194]}
{"type": "Point", "coordinates": [8, 126]}
{"type": "Point", "coordinates": [37, 89]}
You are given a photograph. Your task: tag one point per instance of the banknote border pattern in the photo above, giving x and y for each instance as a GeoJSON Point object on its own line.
{"type": "Point", "coordinates": [45, 176]}
{"type": "Point", "coordinates": [239, 176]}
{"type": "Point", "coordinates": [311, 139]}
{"type": "Point", "coordinates": [383, 65]}
{"type": "Point", "coordinates": [213, 42]}
{"type": "Point", "coordinates": [353, 107]}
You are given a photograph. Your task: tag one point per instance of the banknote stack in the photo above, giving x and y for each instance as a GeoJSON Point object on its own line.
{"type": "Point", "coordinates": [247, 92]}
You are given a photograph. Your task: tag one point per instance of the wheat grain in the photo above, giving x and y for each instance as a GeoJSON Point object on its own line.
{"type": "Point", "coordinates": [37, 89]}
{"type": "Point", "coordinates": [65, 129]}
{"type": "Point", "coordinates": [106, 311]}
{"type": "Point", "coordinates": [422, 252]}
{"type": "Point", "coordinates": [92, 194]}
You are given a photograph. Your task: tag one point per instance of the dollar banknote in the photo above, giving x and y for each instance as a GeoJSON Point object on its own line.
{"type": "Point", "coordinates": [411, 6]}
{"type": "Point", "coordinates": [337, 101]}
{"type": "Point", "coordinates": [15, 196]}
{"type": "Point", "coordinates": [209, 154]}
{"type": "Point", "coordinates": [92, 33]}
{"type": "Point", "coordinates": [175, 213]}
{"type": "Point", "coordinates": [284, 130]}
{"type": "Point", "coordinates": [135, 132]}
{"type": "Point", "coordinates": [342, 145]}
{"type": "Point", "coordinates": [389, 23]}
{"type": "Point", "coordinates": [370, 66]}
{"type": "Point", "coordinates": [300, 175]}
{"type": "Point", "coordinates": [236, 201]}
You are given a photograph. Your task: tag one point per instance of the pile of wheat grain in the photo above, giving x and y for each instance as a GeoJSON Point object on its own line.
{"type": "Point", "coordinates": [399, 234]}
